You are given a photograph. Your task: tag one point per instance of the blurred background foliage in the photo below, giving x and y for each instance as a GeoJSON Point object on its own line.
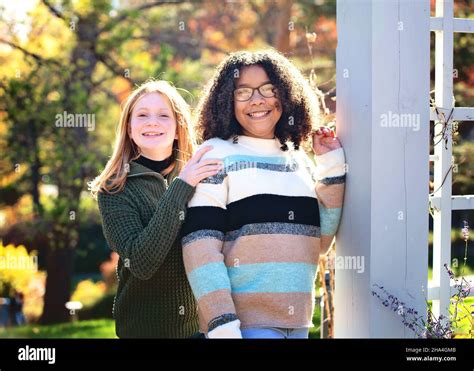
{"type": "Point", "coordinates": [85, 57]}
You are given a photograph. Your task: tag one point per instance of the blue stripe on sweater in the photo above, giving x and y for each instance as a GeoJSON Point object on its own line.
{"type": "Point", "coordinates": [276, 160]}
{"type": "Point", "coordinates": [242, 162]}
{"type": "Point", "coordinates": [272, 277]}
{"type": "Point", "coordinates": [208, 278]}
{"type": "Point", "coordinates": [329, 219]}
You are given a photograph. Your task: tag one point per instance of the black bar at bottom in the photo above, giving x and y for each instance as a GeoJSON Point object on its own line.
{"type": "Point", "coordinates": [433, 353]}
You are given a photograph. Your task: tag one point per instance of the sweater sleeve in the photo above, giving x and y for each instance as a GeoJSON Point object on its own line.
{"type": "Point", "coordinates": [203, 238]}
{"type": "Point", "coordinates": [144, 248]}
{"type": "Point", "coordinates": [330, 182]}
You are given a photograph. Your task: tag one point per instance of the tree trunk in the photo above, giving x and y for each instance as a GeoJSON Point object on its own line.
{"type": "Point", "coordinates": [59, 266]}
{"type": "Point", "coordinates": [72, 160]}
{"type": "Point", "coordinates": [282, 39]}
{"type": "Point", "coordinates": [35, 181]}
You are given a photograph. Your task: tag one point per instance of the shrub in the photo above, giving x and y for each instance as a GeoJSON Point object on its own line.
{"type": "Point", "coordinates": [17, 267]}
{"type": "Point", "coordinates": [101, 309]}
{"type": "Point", "coordinates": [88, 293]}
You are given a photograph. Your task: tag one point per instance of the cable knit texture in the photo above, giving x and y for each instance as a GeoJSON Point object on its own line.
{"type": "Point", "coordinates": [142, 224]}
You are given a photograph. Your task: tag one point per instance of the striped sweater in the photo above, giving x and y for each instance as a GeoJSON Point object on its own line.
{"type": "Point", "coordinates": [254, 232]}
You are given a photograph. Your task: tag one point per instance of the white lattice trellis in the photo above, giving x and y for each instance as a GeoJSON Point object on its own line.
{"type": "Point", "coordinates": [442, 201]}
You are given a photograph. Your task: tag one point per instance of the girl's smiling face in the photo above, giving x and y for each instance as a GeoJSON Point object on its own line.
{"type": "Point", "coordinates": [259, 115]}
{"type": "Point", "coordinates": [153, 126]}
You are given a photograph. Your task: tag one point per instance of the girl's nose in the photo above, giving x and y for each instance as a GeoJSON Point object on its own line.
{"type": "Point", "coordinates": [153, 120]}
{"type": "Point", "coordinates": [256, 98]}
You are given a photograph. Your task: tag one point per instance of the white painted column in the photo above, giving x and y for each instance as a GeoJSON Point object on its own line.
{"type": "Point", "coordinates": [383, 59]}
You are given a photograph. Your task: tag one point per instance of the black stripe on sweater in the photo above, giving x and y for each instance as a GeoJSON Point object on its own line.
{"type": "Point", "coordinates": [204, 217]}
{"type": "Point", "coordinates": [268, 208]}
{"type": "Point", "coordinates": [334, 180]}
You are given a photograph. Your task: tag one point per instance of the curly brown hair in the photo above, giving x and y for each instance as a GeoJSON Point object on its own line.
{"type": "Point", "coordinates": [215, 110]}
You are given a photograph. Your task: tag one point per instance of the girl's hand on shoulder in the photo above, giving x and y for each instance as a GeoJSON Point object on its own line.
{"type": "Point", "coordinates": [325, 140]}
{"type": "Point", "coordinates": [197, 169]}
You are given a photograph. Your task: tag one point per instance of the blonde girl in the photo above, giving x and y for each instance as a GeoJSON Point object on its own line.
{"type": "Point", "coordinates": [142, 195]}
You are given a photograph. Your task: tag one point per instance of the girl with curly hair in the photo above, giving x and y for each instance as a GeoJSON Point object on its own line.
{"type": "Point", "coordinates": [254, 231]}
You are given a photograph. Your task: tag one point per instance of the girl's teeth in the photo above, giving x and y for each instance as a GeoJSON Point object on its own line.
{"type": "Point", "coordinates": [258, 114]}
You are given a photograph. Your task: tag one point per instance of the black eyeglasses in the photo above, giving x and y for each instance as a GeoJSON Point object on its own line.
{"type": "Point", "coordinates": [244, 94]}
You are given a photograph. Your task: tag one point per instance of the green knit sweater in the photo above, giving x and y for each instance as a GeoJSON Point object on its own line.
{"type": "Point", "coordinates": [142, 224]}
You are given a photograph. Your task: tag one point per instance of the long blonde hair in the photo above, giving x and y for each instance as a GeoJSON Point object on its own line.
{"type": "Point", "coordinates": [113, 177]}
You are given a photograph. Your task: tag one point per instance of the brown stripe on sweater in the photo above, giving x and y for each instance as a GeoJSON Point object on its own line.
{"type": "Point", "coordinates": [325, 243]}
{"type": "Point", "coordinates": [202, 252]}
{"type": "Point", "coordinates": [213, 305]}
{"type": "Point", "coordinates": [330, 196]}
{"type": "Point", "coordinates": [287, 310]}
{"type": "Point", "coordinates": [271, 248]}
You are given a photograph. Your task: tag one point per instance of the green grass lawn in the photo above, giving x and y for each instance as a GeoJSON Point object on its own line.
{"type": "Point", "coordinates": [105, 328]}
{"type": "Point", "coordinates": [314, 332]}
{"type": "Point", "coordinates": [465, 324]}
{"type": "Point", "coordinates": [101, 328]}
